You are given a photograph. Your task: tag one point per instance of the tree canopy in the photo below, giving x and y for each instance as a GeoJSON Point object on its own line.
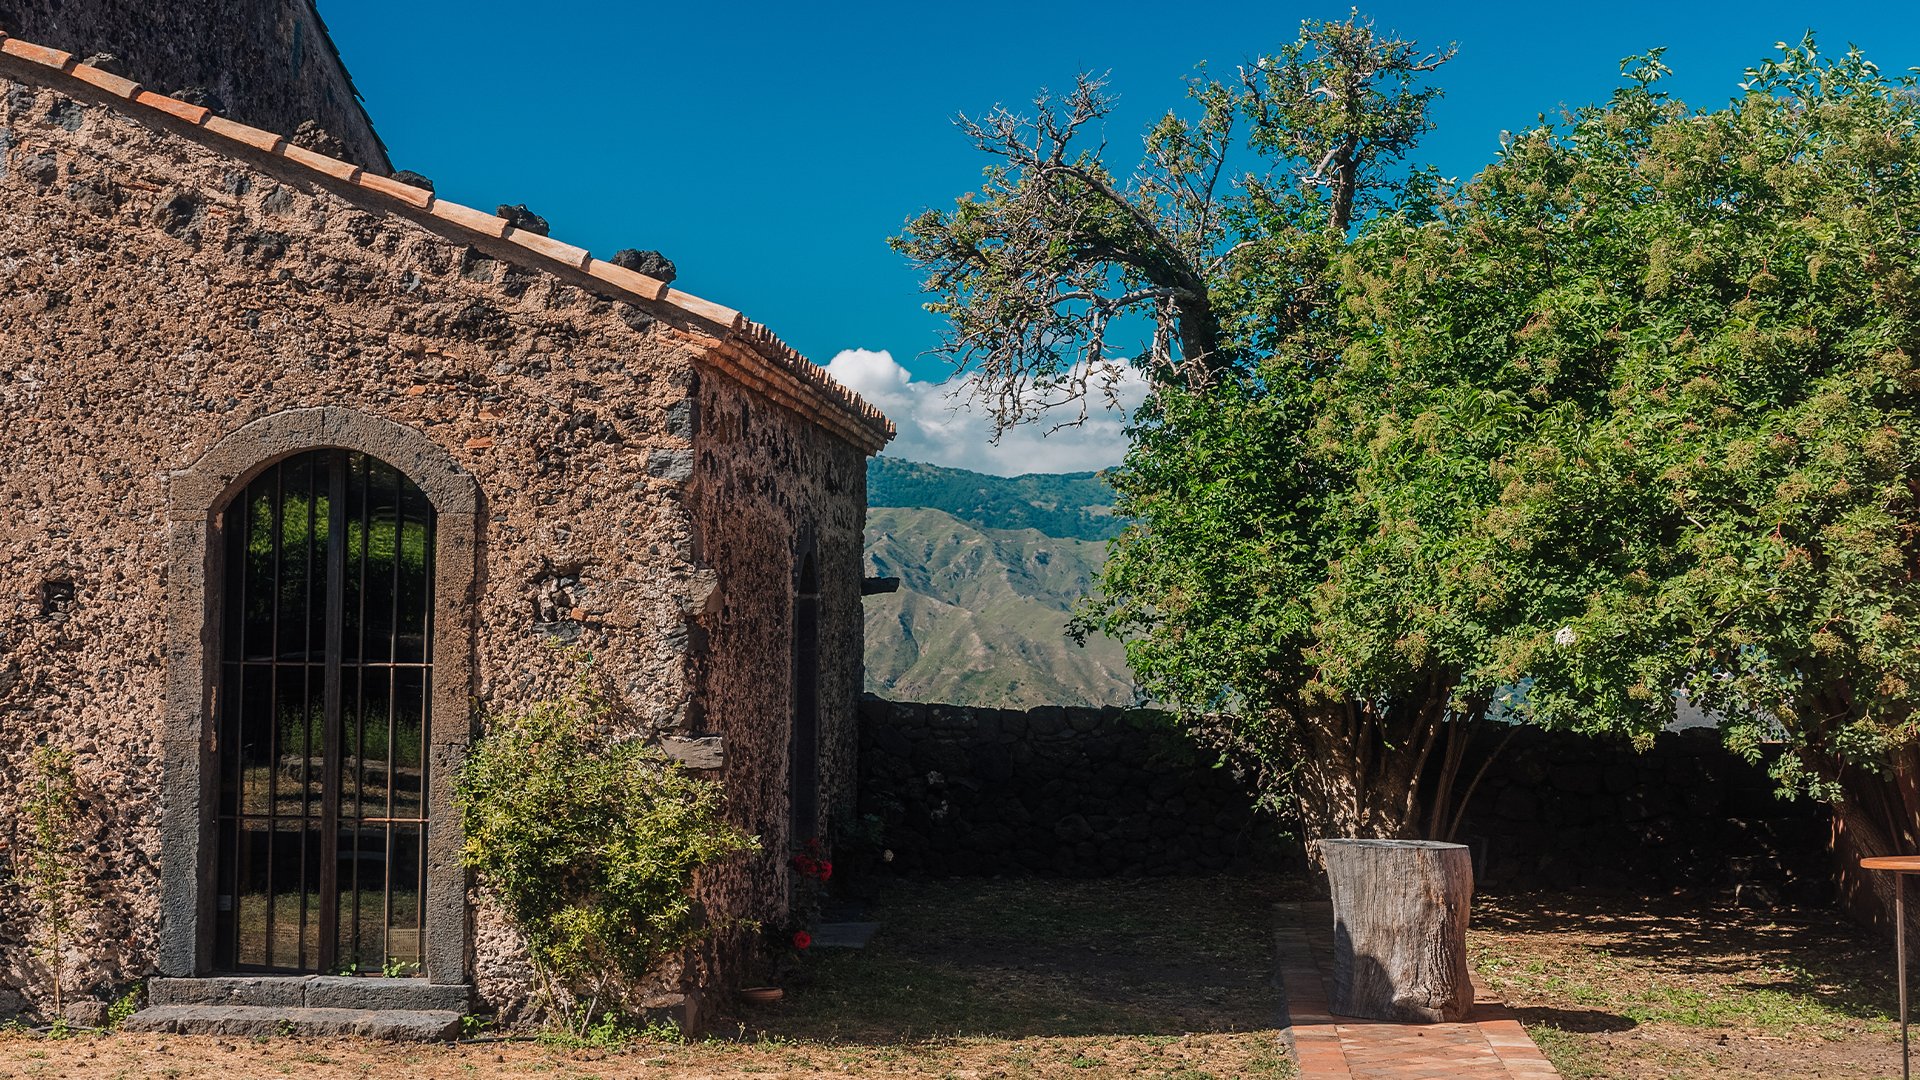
{"type": "Point", "coordinates": [1628, 414]}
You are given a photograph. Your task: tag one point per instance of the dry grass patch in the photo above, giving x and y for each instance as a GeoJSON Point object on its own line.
{"type": "Point", "coordinates": [1690, 989]}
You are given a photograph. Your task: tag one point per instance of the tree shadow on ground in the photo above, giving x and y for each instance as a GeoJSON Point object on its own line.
{"type": "Point", "coordinates": [1042, 958]}
{"type": "Point", "coordinates": [1807, 952]}
{"type": "Point", "coordinates": [1583, 1021]}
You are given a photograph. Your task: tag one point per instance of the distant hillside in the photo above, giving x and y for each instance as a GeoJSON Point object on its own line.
{"type": "Point", "coordinates": [1077, 506]}
{"type": "Point", "coordinates": [981, 613]}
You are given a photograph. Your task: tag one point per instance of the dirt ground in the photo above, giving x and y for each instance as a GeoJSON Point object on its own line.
{"type": "Point", "coordinates": [1690, 989]}
{"type": "Point", "coordinates": [126, 1057]}
{"type": "Point", "coordinates": [1165, 980]}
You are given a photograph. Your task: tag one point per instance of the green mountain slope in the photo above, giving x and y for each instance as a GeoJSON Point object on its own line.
{"type": "Point", "coordinates": [981, 613]}
{"type": "Point", "coordinates": [1075, 506]}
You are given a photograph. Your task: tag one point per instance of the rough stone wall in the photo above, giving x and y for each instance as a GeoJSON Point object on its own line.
{"type": "Point", "coordinates": [1558, 810]}
{"type": "Point", "coordinates": [1073, 792]}
{"type": "Point", "coordinates": [156, 297]}
{"type": "Point", "coordinates": [768, 484]}
{"type": "Point", "coordinates": [1088, 792]}
{"type": "Point", "coordinates": [269, 63]}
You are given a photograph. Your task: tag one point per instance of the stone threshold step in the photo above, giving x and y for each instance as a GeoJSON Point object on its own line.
{"type": "Point", "coordinates": [311, 992]}
{"type": "Point", "coordinates": [399, 1025]}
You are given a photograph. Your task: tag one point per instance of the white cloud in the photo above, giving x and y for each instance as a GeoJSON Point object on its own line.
{"type": "Point", "coordinates": [939, 426]}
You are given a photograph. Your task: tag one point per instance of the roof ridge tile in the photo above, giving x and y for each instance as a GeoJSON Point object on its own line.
{"type": "Point", "coordinates": [233, 131]}
{"type": "Point", "coordinates": [706, 309]}
{"type": "Point", "coordinates": [174, 107]}
{"type": "Point", "coordinates": [417, 197]}
{"type": "Point", "coordinates": [57, 59]}
{"type": "Point", "coordinates": [549, 248]}
{"type": "Point", "coordinates": [492, 226]}
{"type": "Point", "coordinates": [320, 163]}
{"type": "Point", "coordinates": [627, 280]}
{"type": "Point", "coordinates": [118, 86]}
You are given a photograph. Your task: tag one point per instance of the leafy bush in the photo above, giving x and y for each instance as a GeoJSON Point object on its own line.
{"type": "Point", "coordinates": [589, 841]}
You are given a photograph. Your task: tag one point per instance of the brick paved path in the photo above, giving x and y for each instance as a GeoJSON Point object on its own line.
{"type": "Point", "coordinates": [1489, 1045]}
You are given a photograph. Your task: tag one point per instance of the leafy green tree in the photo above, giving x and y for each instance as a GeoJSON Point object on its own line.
{"type": "Point", "coordinates": [1752, 279]}
{"type": "Point", "coordinates": [1342, 696]}
{"type": "Point", "coordinates": [1628, 414]}
{"type": "Point", "coordinates": [1632, 413]}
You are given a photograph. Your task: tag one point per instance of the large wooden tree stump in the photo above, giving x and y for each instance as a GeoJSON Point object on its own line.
{"type": "Point", "coordinates": [1400, 929]}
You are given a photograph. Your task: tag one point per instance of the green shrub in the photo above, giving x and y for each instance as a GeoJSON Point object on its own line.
{"type": "Point", "coordinates": [589, 842]}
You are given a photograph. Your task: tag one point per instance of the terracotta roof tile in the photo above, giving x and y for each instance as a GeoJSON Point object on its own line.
{"type": "Point", "coordinates": [420, 198]}
{"type": "Point", "coordinates": [174, 107]}
{"type": "Point", "coordinates": [550, 248]}
{"type": "Point", "coordinates": [467, 217]}
{"type": "Point", "coordinates": [246, 136]}
{"type": "Point", "coordinates": [706, 309]}
{"type": "Point", "coordinates": [321, 163]}
{"type": "Point", "coordinates": [627, 280]}
{"type": "Point", "coordinates": [37, 54]}
{"type": "Point", "coordinates": [748, 350]}
{"type": "Point", "coordinates": [105, 80]}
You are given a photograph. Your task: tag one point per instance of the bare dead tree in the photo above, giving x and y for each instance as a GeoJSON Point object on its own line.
{"type": "Point", "coordinates": [1062, 272]}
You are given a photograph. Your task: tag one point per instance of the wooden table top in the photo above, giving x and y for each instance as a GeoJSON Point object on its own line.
{"type": "Point", "coordinates": [1899, 864]}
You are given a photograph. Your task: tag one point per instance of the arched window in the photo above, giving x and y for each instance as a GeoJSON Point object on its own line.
{"type": "Point", "coordinates": [320, 636]}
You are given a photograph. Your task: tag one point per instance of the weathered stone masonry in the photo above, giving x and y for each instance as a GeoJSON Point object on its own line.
{"type": "Point", "coordinates": [269, 63]}
{"type": "Point", "coordinates": [180, 302]}
{"type": "Point", "coordinates": [1091, 792]}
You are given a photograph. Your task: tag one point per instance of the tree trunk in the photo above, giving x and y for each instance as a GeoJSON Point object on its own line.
{"type": "Point", "coordinates": [1400, 912]}
{"type": "Point", "coordinates": [1879, 815]}
{"type": "Point", "coordinates": [1362, 775]}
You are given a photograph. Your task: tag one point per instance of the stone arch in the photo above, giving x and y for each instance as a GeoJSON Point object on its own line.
{"type": "Point", "coordinates": [197, 495]}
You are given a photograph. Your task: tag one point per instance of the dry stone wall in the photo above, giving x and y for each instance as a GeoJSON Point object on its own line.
{"type": "Point", "coordinates": [1093, 792]}
{"type": "Point", "coordinates": [1070, 792]}
{"type": "Point", "coordinates": [1559, 810]}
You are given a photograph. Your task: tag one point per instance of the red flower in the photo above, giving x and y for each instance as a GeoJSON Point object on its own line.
{"type": "Point", "coordinates": [802, 939]}
{"type": "Point", "coordinates": [823, 870]}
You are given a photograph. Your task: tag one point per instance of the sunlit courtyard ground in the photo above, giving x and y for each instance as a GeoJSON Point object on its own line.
{"type": "Point", "coordinates": [1689, 988]}
{"type": "Point", "coordinates": [1167, 979]}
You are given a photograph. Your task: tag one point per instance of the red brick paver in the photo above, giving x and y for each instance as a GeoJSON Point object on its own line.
{"type": "Point", "coordinates": [1488, 1045]}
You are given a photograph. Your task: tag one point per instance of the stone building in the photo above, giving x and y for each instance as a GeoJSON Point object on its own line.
{"type": "Point", "coordinates": [268, 63]}
{"type": "Point", "coordinates": [302, 473]}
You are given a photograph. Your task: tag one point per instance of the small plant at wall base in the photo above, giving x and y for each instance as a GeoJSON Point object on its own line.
{"type": "Point", "coordinates": [589, 842]}
{"type": "Point", "coordinates": [52, 873]}
{"type": "Point", "coordinates": [811, 872]}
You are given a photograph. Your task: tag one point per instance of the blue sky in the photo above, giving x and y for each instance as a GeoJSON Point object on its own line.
{"type": "Point", "coordinates": [769, 150]}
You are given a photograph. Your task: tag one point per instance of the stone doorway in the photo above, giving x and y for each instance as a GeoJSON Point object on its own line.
{"type": "Point", "coordinates": [321, 720]}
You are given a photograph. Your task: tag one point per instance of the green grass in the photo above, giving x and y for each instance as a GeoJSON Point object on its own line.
{"type": "Point", "coordinates": [1793, 1005]}
{"type": "Point", "coordinates": [1685, 988]}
